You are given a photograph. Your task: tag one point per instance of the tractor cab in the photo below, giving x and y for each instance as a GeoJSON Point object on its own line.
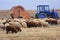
{"type": "Point", "coordinates": [42, 8]}
{"type": "Point", "coordinates": [43, 11]}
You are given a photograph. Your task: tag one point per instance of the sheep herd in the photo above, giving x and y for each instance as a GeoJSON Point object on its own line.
{"type": "Point", "coordinates": [15, 25]}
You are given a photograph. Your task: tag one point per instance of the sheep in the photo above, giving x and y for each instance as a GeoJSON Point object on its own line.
{"type": "Point", "coordinates": [15, 19]}
{"type": "Point", "coordinates": [37, 22]}
{"type": "Point", "coordinates": [0, 21]}
{"type": "Point", "coordinates": [15, 24]}
{"type": "Point", "coordinates": [33, 23]}
{"type": "Point", "coordinates": [2, 26]}
{"type": "Point", "coordinates": [43, 23]}
{"type": "Point", "coordinates": [13, 27]}
{"type": "Point", "coordinates": [24, 24]}
{"type": "Point", "coordinates": [58, 21]}
{"type": "Point", "coordinates": [52, 21]}
{"type": "Point", "coordinates": [3, 21]}
{"type": "Point", "coordinates": [11, 20]}
{"type": "Point", "coordinates": [19, 20]}
{"type": "Point", "coordinates": [30, 24]}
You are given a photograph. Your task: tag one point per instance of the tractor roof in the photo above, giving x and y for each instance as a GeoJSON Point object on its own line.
{"type": "Point", "coordinates": [42, 5]}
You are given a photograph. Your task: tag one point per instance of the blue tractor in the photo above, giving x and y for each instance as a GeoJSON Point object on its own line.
{"type": "Point", "coordinates": [43, 11]}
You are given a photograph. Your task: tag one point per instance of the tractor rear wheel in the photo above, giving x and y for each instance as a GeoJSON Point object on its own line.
{"type": "Point", "coordinates": [42, 15]}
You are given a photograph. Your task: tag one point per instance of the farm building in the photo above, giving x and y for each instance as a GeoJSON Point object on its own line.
{"type": "Point", "coordinates": [19, 11]}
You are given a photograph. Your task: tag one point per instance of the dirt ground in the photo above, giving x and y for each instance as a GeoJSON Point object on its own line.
{"type": "Point", "coordinates": [39, 33]}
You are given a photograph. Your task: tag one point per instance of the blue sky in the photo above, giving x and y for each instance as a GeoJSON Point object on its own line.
{"type": "Point", "coordinates": [28, 4]}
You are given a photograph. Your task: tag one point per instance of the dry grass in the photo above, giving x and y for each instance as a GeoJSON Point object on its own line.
{"type": "Point", "coordinates": [39, 33]}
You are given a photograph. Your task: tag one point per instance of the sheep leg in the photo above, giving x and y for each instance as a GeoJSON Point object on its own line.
{"type": "Point", "coordinates": [15, 30]}
{"type": "Point", "coordinates": [42, 25]}
{"type": "Point", "coordinates": [19, 29]}
{"type": "Point", "coordinates": [7, 32]}
{"type": "Point", "coordinates": [12, 31]}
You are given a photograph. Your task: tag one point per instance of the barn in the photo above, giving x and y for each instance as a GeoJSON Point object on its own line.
{"type": "Point", "coordinates": [19, 11]}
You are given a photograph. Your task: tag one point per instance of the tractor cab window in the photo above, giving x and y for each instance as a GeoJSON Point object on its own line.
{"type": "Point", "coordinates": [44, 8]}
{"type": "Point", "coordinates": [47, 8]}
{"type": "Point", "coordinates": [40, 9]}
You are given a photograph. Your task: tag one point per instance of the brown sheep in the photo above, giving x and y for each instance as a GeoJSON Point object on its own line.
{"type": "Point", "coordinates": [12, 29]}
{"type": "Point", "coordinates": [33, 23]}
{"type": "Point", "coordinates": [38, 24]}
{"type": "Point", "coordinates": [30, 24]}
{"type": "Point", "coordinates": [52, 21]}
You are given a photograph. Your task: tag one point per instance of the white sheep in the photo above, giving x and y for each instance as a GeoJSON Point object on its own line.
{"type": "Point", "coordinates": [19, 20]}
{"type": "Point", "coordinates": [0, 21]}
{"type": "Point", "coordinates": [2, 26]}
{"type": "Point", "coordinates": [7, 24]}
{"type": "Point", "coordinates": [3, 20]}
{"type": "Point", "coordinates": [58, 21]}
{"type": "Point", "coordinates": [35, 20]}
{"type": "Point", "coordinates": [24, 24]}
{"type": "Point", "coordinates": [44, 24]}
{"type": "Point", "coordinates": [15, 24]}
{"type": "Point", "coordinates": [11, 20]}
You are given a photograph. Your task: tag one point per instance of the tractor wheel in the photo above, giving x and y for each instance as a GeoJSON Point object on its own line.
{"type": "Point", "coordinates": [42, 15]}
